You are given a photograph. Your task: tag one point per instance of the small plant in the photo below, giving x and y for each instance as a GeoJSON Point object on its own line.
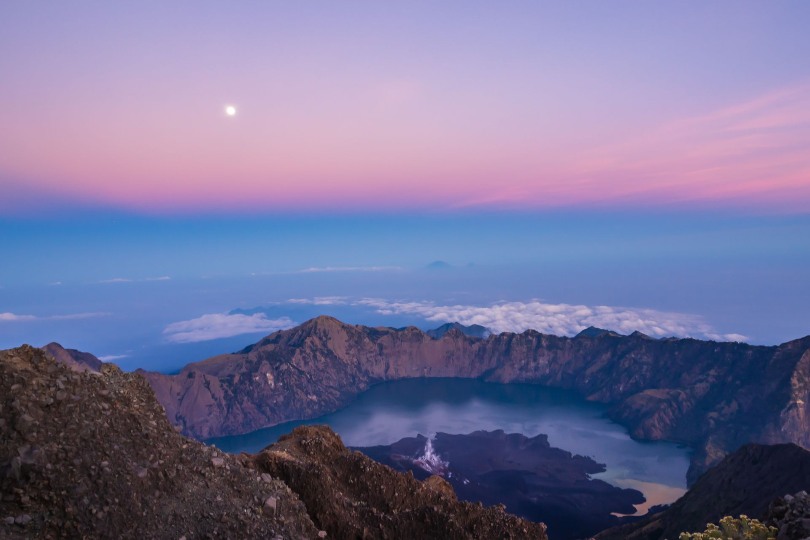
{"type": "Point", "coordinates": [742, 528]}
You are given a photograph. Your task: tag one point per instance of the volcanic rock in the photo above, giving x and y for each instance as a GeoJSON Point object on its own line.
{"type": "Point", "coordinates": [791, 516]}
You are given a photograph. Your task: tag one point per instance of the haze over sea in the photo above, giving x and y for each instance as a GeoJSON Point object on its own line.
{"type": "Point", "coordinates": [177, 182]}
{"type": "Point", "coordinates": [159, 292]}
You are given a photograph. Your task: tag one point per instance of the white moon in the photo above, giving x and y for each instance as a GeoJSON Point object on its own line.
{"type": "Point", "coordinates": [230, 110]}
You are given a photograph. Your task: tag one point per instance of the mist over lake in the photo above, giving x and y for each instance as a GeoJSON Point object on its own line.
{"type": "Point", "coordinates": [393, 410]}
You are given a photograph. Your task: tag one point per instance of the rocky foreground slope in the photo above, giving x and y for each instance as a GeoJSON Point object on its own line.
{"type": "Point", "coordinates": [713, 396]}
{"type": "Point", "coordinates": [87, 454]}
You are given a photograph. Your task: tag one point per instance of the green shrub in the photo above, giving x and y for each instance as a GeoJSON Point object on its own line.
{"type": "Point", "coordinates": [742, 528]}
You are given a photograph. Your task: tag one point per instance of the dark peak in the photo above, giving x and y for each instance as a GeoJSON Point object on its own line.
{"type": "Point", "coordinates": [473, 330]}
{"type": "Point", "coordinates": [320, 324]}
{"type": "Point", "coordinates": [439, 265]}
{"type": "Point", "coordinates": [322, 321]}
{"type": "Point", "coordinates": [640, 335]}
{"type": "Point", "coordinates": [75, 360]}
{"type": "Point", "coordinates": [594, 332]}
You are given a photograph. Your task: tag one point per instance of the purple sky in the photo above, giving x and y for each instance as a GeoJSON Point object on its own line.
{"type": "Point", "coordinates": [358, 106]}
{"type": "Point", "coordinates": [635, 165]}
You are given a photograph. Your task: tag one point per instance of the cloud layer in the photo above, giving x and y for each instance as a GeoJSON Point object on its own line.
{"type": "Point", "coordinates": [222, 325]}
{"type": "Point", "coordinates": [14, 317]}
{"type": "Point", "coordinates": [318, 269]}
{"type": "Point", "coordinates": [129, 280]}
{"type": "Point", "coordinates": [558, 319]}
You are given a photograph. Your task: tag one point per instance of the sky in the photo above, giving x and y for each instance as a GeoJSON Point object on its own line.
{"type": "Point", "coordinates": [638, 165]}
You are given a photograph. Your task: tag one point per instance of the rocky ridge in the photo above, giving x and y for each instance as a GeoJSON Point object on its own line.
{"type": "Point", "coordinates": [88, 454]}
{"type": "Point", "coordinates": [712, 396]}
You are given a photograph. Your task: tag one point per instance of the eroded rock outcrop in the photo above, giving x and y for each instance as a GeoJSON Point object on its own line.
{"type": "Point", "coordinates": [352, 496]}
{"type": "Point", "coordinates": [790, 515]}
{"type": "Point", "coordinates": [713, 396]}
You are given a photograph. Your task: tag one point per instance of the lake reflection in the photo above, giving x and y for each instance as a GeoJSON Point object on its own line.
{"type": "Point", "coordinates": [393, 410]}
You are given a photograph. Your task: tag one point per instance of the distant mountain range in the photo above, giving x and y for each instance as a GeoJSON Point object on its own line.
{"type": "Point", "coordinates": [712, 396]}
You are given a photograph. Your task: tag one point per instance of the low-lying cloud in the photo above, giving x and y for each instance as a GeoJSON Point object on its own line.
{"type": "Point", "coordinates": [316, 269]}
{"type": "Point", "coordinates": [320, 301]}
{"type": "Point", "coordinates": [222, 325]}
{"type": "Point", "coordinates": [558, 319]}
{"type": "Point", "coordinates": [130, 280]}
{"type": "Point", "coordinates": [112, 357]}
{"type": "Point", "coordinates": [14, 317]}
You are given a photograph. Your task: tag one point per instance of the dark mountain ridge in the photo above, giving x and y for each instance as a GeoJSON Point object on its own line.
{"type": "Point", "coordinates": [712, 396]}
{"type": "Point", "coordinates": [473, 330]}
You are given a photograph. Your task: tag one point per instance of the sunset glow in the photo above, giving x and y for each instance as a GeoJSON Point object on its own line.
{"type": "Point", "coordinates": [344, 120]}
{"type": "Point", "coordinates": [640, 166]}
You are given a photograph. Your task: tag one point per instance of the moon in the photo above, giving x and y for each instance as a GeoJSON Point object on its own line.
{"type": "Point", "coordinates": [230, 110]}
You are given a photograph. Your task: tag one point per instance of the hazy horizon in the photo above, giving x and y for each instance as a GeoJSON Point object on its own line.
{"type": "Point", "coordinates": [178, 180]}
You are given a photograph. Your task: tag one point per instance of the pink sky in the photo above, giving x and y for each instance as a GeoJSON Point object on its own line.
{"type": "Point", "coordinates": [100, 119]}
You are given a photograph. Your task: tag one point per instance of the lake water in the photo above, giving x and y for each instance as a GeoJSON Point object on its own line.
{"type": "Point", "coordinates": [393, 410]}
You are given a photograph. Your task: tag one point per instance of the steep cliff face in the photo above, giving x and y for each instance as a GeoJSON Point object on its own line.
{"type": "Point", "coordinates": [713, 396]}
